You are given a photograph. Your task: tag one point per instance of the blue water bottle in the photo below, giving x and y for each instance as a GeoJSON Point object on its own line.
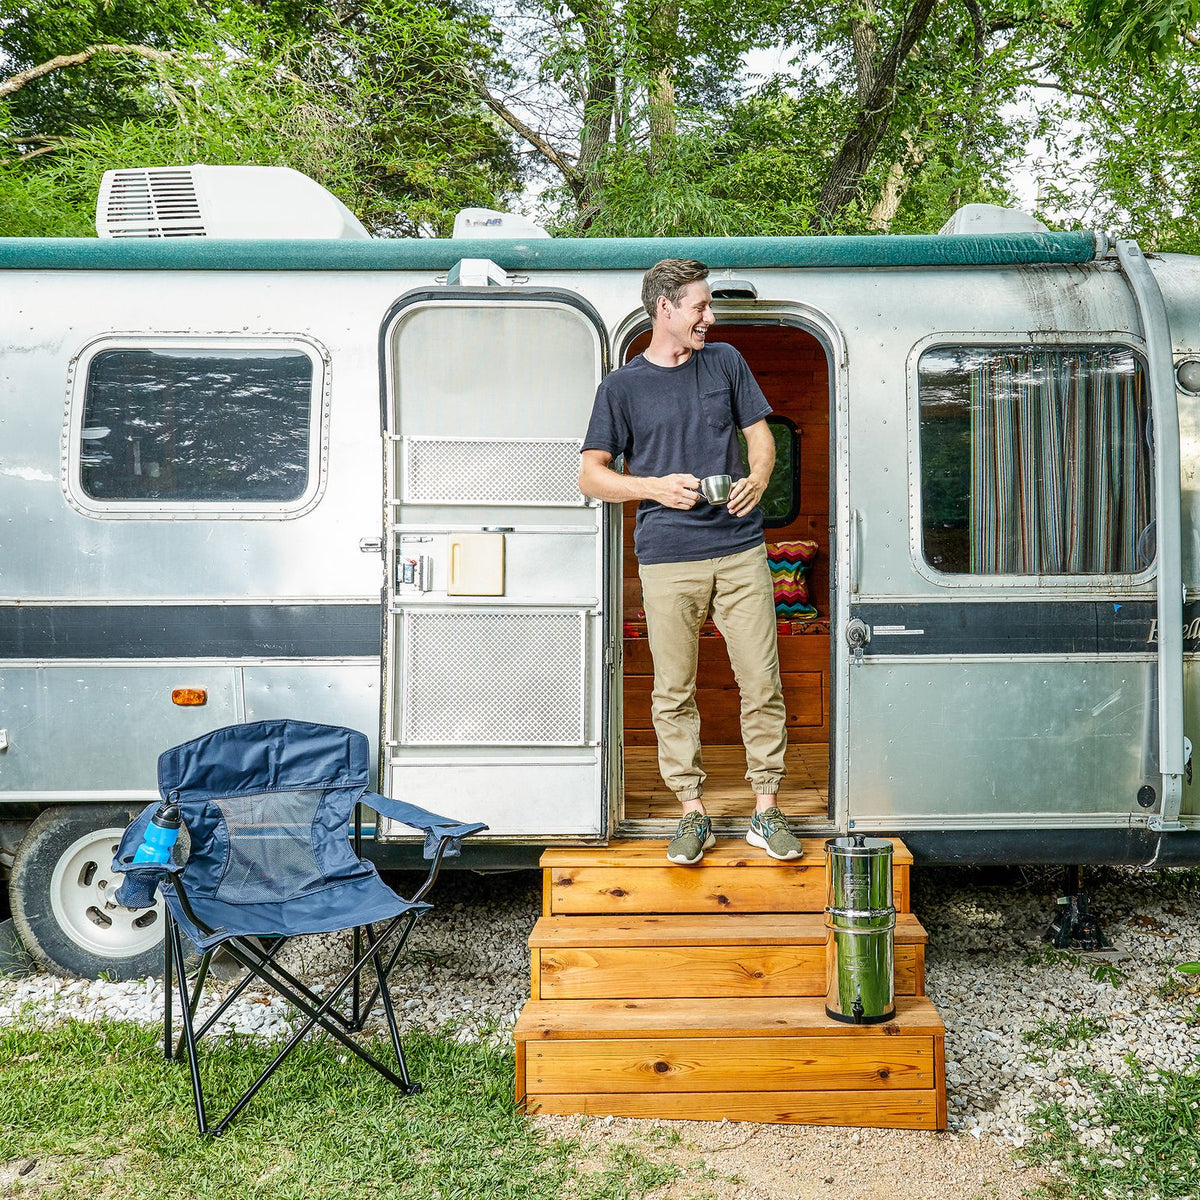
{"type": "Point", "coordinates": [159, 838]}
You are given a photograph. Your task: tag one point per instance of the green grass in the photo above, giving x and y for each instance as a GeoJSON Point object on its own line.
{"type": "Point", "coordinates": [1047, 1035]}
{"type": "Point", "coordinates": [106, 1116]}
{"type": "Point", "coordinates": [1155, 1139]}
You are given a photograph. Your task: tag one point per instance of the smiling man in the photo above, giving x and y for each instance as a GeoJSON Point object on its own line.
{"type": "Point", "coordinates": [672, 413]}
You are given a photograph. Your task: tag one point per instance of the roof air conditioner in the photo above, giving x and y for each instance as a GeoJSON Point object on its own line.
{"type": "Point", "coordinates": [220, 202]}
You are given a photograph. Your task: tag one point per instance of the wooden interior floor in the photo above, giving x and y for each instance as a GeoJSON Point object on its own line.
{"type": "Point", "coordinates": [805, 791]}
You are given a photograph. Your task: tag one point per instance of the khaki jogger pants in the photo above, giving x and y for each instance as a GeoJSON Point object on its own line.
{"type": "Point", "coordinates": [678, 598]}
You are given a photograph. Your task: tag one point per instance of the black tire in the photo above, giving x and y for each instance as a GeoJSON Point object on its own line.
{"type": "Point", "coordinates": [61, 875]}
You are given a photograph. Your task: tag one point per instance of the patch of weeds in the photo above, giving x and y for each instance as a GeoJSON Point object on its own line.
{"type": "Point", "coordinates": [1105, 972]}
{"type": "Point", "coordinates": [1153, 1119]}
{"type": "Point", "coordinates": [1099, 969]}
{"type": "Point", "coordinates": [630, 1174]}
{"type": "Point", "coordinates": [1047, 1035]}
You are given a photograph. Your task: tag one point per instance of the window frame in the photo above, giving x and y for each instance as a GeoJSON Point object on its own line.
{"type": "Point", "coordinates": [1032, 340]}
{"type": "Point", "coordinates": [78, 373]}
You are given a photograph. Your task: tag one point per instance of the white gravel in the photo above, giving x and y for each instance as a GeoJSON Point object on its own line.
{"type": "Point", "coordinates": [468, 970]}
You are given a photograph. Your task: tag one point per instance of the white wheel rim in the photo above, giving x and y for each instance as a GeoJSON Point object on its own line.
{"type": "Point", "coordinates": [81, 887]}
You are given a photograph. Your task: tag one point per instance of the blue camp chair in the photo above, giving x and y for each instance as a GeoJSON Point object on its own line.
{"type": "Point", "coordinates": [267, 807]}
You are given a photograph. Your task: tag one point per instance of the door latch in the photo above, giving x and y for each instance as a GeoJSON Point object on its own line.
{"type": "Point", "coordinates": [858, 634]}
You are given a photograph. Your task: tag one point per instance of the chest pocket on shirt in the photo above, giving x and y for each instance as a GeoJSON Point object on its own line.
{"type": "Point", "coordinates": [716, 408]}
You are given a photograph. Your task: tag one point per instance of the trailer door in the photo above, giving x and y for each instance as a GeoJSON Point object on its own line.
{"type": "Point", "coordinates": [495, 638]}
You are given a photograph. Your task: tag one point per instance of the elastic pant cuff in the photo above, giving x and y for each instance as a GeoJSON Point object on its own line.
{"type": "Point", "coordinates": [766, 789]}
{"type": "Point", "coordinates": [691, 793]}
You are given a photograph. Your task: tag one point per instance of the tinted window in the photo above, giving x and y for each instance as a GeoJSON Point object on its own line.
{"type": "Point", "coordinates": [781, 500]}
{"type": "Point", "coordinates": [163, 425]}
{"type": "Point", "coordinates": [1035, 460]}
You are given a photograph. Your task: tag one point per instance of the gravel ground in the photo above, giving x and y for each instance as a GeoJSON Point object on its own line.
{"type": "Point", "coordinates": [989, 972]}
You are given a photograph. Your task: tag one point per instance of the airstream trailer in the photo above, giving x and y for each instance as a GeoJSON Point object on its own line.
{"type": "Point", "coordinates": [335, 478]}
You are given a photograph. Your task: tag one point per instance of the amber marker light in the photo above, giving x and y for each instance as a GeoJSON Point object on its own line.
{"type": "Point", "coordinates": [189, 696]}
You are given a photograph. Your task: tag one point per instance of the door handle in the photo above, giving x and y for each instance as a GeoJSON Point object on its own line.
{"type": "Point", "coordinates": [855, 549]}
{"type": "Point", "coordinates": [371, 545]}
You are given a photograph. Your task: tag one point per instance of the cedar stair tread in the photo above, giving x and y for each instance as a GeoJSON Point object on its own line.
{"type": "Point", "coordinates": [725, 1017]}
{"type": "Point", "coordinates": [698, 929]}
{"type": "Point", "coordinates": [728, 852]}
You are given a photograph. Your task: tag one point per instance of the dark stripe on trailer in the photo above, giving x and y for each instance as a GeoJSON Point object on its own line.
{"type": "Point", "coordinates": [1002, 847]}
{"type": "Point", "coordinates": [190, 631]}
{"type": "Point", "coordinates": [1018, 627]}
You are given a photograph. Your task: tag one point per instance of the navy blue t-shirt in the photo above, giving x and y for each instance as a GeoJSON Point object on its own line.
{"type": "Point", "coordinates": [674, 420]}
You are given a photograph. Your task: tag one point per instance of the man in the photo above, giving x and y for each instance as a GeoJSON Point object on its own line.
{"type": "Point", "coordinates": [673, 413]}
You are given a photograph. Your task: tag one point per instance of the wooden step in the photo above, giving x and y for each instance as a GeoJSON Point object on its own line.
{"type": "Point", "coordinates": [635, 877]}
{"type": "Point", "coordinates": [760, 1059]}
{"type": "Point", "coordinates": [704, 954]}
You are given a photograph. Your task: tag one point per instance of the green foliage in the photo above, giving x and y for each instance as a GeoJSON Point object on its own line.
{"type": "Point", "coordinates": [1152, 1120]}
{"type": "Point", "coordinates": [370, 101]}
{"type": "Point", "coordinates": [1047, 1035]}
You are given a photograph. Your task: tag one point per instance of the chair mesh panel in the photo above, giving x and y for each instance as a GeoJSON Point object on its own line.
{"type": "Point", "coordinates": [270, 846]}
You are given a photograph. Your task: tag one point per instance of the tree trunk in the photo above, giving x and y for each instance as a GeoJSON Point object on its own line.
{"type": "Point", "coordinates": [871, 120]}
{"type": "Point", "coordinates": [664, 32]}
{"type": "Point", "coordinates": [599, 102]}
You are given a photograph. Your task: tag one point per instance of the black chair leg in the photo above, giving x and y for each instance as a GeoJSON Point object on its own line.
{"type": "Point", "coordinates": [168, 983]}
{"type": "Point", "coordinates": [185, 1016]}
{"type": "Point", "coordinates": [389, 1011]}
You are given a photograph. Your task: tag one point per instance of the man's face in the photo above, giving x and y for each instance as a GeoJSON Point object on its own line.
{"type": "Point", "coordinates": [688, 321]}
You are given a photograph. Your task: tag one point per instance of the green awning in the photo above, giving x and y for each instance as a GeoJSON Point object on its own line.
{"type": "Point", "coordinates": [543, 254]}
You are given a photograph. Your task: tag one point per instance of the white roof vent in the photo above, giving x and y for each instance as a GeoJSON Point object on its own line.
{"type": "Point", "coordinates": [992, 218]}
{"type": "Point", "coordinates": [220, 202]}
{"type": "Point", "coordinates": [488, 223]}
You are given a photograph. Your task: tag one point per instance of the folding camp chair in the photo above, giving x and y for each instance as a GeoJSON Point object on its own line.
{"type": "Point", "coordinates": [267, 808]}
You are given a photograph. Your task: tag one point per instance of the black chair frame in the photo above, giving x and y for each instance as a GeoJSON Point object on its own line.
{"type": "Point", "coordinates": [318, 1010]}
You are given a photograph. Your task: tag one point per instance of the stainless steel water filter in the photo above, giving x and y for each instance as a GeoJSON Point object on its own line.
{"type": "Point", "coordinates": [860, 921]}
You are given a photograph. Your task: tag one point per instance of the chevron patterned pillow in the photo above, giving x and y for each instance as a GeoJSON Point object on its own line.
{"type": "Point", "coordinates": [789, 562]}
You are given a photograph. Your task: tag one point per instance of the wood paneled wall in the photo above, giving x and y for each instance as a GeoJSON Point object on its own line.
{"type": "Point", "coordinates": [792, 370]}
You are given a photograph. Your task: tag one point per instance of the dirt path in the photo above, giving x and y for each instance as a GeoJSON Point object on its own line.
{"type": "Point", "coordinates": [733, 1161]}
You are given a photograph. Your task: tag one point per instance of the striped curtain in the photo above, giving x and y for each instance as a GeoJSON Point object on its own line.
{"type": "Point", "coordinates": [1060, 463]}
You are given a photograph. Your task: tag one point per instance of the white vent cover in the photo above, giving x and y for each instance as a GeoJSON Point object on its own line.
{"type": "Point", "coordinates": [488, 223]}
{"type": "Point", "coordinates": [992, 218]}
{"type": "Point", "coordinates": [220, 202]}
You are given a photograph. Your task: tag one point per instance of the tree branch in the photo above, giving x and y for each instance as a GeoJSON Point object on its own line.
{"type": "Point", "coordinates": [15, 82]}
{"type": "Point", "coordinates": [572, 177]}
{"type": "Point", "coordinates": [1070, 91]}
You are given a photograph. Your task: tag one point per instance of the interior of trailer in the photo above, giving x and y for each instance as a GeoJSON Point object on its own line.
{"type": "Point", "coordinates": [792, 369]}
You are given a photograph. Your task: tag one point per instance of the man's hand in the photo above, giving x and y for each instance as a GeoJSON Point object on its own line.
{"type": "Point", "coordinates": [745, 495]}
{"type": "Point", "coordinates": [677, 491]}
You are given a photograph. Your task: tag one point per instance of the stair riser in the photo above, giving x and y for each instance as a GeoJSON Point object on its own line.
{"type": "Point", "coordinates": [599, 973]}
{"type": "Point", "coordinates": [671, 889]}
{"type": "Point", "coordinates": [878, 1110]}
{"type": "Point", "coordinates": [671, 1066]}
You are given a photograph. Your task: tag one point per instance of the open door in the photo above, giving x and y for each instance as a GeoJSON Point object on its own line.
{"type": "Point", "coordinates": [495, 631]}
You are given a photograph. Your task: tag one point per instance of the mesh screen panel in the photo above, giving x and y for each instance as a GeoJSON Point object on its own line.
{"type": "Point", "coordinates": [498, 679]}
{"type": "Point", "coordinates": [491, 471]}
{"type": "Point", "coordinates": [271, 855]}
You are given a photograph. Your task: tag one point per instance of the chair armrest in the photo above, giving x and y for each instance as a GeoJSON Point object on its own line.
{"type": "Point", "coordinates": [437, 829]}
{"type": "Point", "coordinates": [141, 879]}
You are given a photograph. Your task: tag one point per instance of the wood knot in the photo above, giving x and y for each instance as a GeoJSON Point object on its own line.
{"type": "Point", "coordinates": [757, 974]}
{"type": "Point", "coordinates": [661, 1068]}
{"type": "Point", "coordinates": [617, 892]}
{"type": "Point", "coordinates": [884, 1072]}
{"type": "Point", "coordinates": [720, 899]}
{"type": "Point", "coordinates": [565, 881]}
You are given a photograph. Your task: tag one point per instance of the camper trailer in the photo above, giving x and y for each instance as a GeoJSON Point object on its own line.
{"type": "Point", "coordinates": [254, 463]}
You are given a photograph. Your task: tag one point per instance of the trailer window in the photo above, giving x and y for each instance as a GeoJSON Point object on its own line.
{"type": "Point", "coordinates": [781, 501]}
{"type": "Point", "coordinates": [197, 426]}
{"type": "Point", "coordinates": [1035, 460]}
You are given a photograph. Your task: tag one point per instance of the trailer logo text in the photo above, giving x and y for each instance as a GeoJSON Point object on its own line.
{"type": "Point", "coordinates": [1191, 630]}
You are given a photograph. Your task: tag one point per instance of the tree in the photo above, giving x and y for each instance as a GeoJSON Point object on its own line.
{"type": "Point", "coordinates": [368, 99]}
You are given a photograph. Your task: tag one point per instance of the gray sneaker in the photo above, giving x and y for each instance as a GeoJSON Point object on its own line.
{"type": "Point", "coordinates": [691, 839]}
{"type": "Point", "coordinates": [769, 831]}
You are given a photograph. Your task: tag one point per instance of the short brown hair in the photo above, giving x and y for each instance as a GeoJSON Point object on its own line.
{"type": "Point", "coordinates": [670, 278]}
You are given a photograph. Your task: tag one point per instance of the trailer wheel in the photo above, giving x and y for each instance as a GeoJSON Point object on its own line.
{"type": "Point", "coordinates": [61, 879]}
